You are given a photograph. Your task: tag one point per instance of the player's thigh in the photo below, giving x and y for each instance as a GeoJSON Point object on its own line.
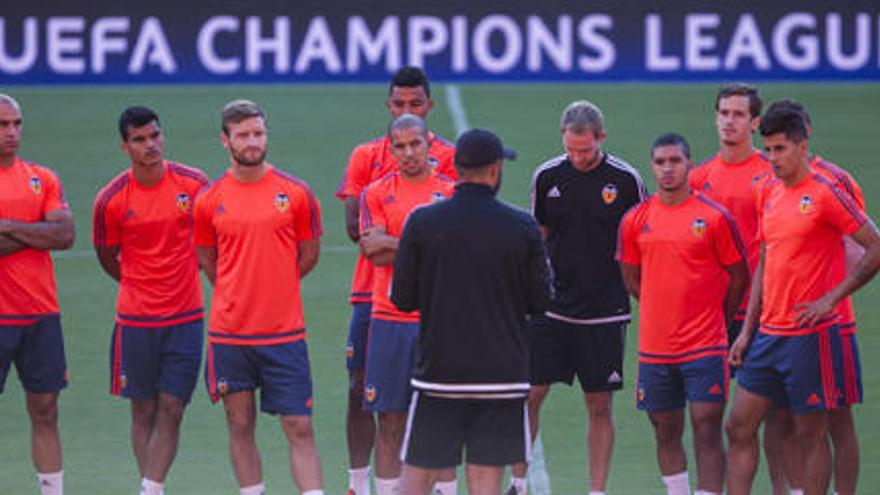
{"type": "Point", "coordinates": [551, 358]}
{"type": "Point", "coordinates": [812, 368]}
{"type": "Point", "coordinates": [41, 362]}
{"type": "Point", "coordinates": [134, 361]}
{"type": "Point", "coordinates": [660, 388]}
{"type": "Point", "coordinates": [180, 358]}
{"type": "Point", "coordinates": [598, 356]}
{"type": "Point", "coordinates": [286, 379]}
{"type": "Point", "coordinates": [497, 433]}
{"type": "Point", "coordinates": [391, 356]}
{"type": "Point", "coordinates": [706, 380]}
{"type": "Point", "coordinates": [763, 371]}
{"type": "Point", "coordinates": [435, 432]}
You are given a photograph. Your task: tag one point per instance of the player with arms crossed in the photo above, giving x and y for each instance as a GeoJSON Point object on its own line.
{"type": "Point", "coordinates": [143, 239]}
{"type": "Point", "coordinates": [682, 257]}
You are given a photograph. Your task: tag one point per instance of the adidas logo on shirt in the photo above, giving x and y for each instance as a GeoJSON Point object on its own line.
{"type": "Point", "coordinates": [554, 192]}
{"type": "Point", "coordinates": [614, 377]}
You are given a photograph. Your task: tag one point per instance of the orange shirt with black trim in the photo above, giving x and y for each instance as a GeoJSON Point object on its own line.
{"type": "Point", "coordinates": [369, 162]}
{"type": "Point", "coordinates": [847, 184]}
{"type": "Point", "coordinates": [256, 228]}
{"type": "Point", "coordinates": [802, 228]}
{"type": "Point", "coordinates": [387, 203]}
{"type": "Point", "coordinates": [682, 250]}
{"type": "Point", "coordinates": [733, 186]}
{"type": "Point", "coordinates": [28, 192]}
{"type": "Point", "coordinates": [153, 227]}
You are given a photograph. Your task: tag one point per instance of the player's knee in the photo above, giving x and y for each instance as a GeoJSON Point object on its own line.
{"type": "Point", "coordinates": [240, 424]}
{"type": "Point", "coordinates": [171, 411]}
{"type": "Point", "coordinates": [667, 432]}
{"type": "Point", "coordinates": [738, 430]}
{"type": "Point", "coordinates": [43, 413]}
{"type": "Point", "coordinates": [392, 425]}
{"type": "Point", "coordinates": [298, 429]}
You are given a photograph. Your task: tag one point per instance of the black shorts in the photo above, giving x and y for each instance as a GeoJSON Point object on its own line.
{"type": "Point", "coordinates": [561, 350]}
{"type": "Point", "coordinates": [492, 432]}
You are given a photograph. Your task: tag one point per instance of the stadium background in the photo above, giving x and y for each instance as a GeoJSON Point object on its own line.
{"type": "Point", "coordinates": [70, 125]}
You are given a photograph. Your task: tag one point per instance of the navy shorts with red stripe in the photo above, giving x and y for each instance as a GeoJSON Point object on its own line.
{"type": "Point", "coordinates": [670, 386]}
{"type": "Point", "coordinates": [147, 360]}
{"type": "Point", "coordinates": [37, 349]}
{"type": "Point", "coordinates": [280, 371]}
{"type": "Point", "coordinates": [799, 372]}
{"type": "Point", "coordinates": [358, 328]}
{"type": "Point", "coordinates": [392, 351]}
{"type": "Point", "coordinates": [851, 373]}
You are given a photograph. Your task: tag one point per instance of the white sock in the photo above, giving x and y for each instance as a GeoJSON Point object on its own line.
{"type": "Point", "coordinates": [359, 480]}
{"type": "Point", "coordinates": [519, 485]}
{"type": "Point", "coordinates": [150, 487]}
{"type": "Point", "coordinates": [597, 493]}
{"type": "Point", "coordinates": [445, 488]}
{"type": "Point", "coordinates": [51, 483]}
{"type": "Point", "coordinates": [313, 492]}
{"type": "Point", "coordinates": [677, 484]}
{"type": "Point", "coordinates": [706, 492]}
{"type": "Point", "coordinates": [797, 491]}
{"type": "Point", "coordinates": [387, 486]}
{"type": "Point", "coordinates": [258, 489]}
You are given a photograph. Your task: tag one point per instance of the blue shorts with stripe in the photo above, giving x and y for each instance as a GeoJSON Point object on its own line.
{"type": "Point", "coordinates": [147, 360]}
{"type": "Point", "coordinates": [358, 328]}
{"type": "Point", "coordinates": [800, 372]}
{"type": "Point", "coordinates": [280, 371]}
{"type": "Point", "coordinates": [853, 392]}
{"type": "Point", "coordinates": [391, 356]}
{"type": "Point", "coordinates": [669, 386]}
{"type": "Point", "coordinates": [37, 349]}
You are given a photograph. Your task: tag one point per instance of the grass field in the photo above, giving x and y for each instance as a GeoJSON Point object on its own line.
{"type": "Point", "coordinates": [312, 130]}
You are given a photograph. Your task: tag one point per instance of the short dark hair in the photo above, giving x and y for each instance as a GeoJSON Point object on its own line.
{"type": "Point", "coordinates": [477, 148]}
{"type": "Point", "coordinates": [782, 117]}
{"type": "Point", "coordinates": [740, 89]}
{"type": "Point", "coordinates": [796, 106]}
{"type": "Point", "coordinates": [135, 116]}
{"type": "Point", "coordinates": [237, 110]}
{"type": "Point", "coordinates": [410, 77]}
{"type": "Point", "coordinates": [672, 139]}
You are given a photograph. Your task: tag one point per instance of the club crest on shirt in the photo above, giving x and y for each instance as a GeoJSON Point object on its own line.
{"type": "Point", "coordinates": [437, 197]}
{"type": "Point", "coordinates": [370, 393]}
{"type": "Point", "coordinates": [806, 205]}
{"type": "Point", "coordinates": [184, 202]}
{"type": "Point", "coordinates": [609, 193]}
{"type": "Point", "coordinates": [35, 185]}
{"type": "Point", "coordinates": [433, 161]}
{"type": "Point", "coordinates": [282, 202]}
{"type": "Point", "coordinates": [699, 227]}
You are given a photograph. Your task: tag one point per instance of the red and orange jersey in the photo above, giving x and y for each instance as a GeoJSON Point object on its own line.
{"type": "Point", "coordinates": [848, 184]}
{"type": "Point", "coordinates": [152, 226]}
{"type": "Point", "coordinates": [27, 283]}
{"type": "Point", "coordinates": [369, 162]}
{"type": "Point", "coordinates": [682, 251]}
{"type": "Point", "coordinates": [802, 228]}
{"type": "Point", "coordinates": [733, 186]}
{"type": "Point", "coordinates": [387, 203]}
{"type": "Point", "coordinates": [256, 228]}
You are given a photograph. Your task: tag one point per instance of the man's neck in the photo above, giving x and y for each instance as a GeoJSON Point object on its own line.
{"type": "Point", "coordinates": [736, 153]}
{"type": "Point", "coordinates": [796, 178]}
{"type": "Point", "coordinates": [148, 175]}
{"type": "Point", "coordinates": [7, 161]}
{"type": "Point", "coordinates": [417, 178]}
{"type": "Point", "coordinates": [675, 197]}
{"type": "Point", "coordinates": [248, 173]}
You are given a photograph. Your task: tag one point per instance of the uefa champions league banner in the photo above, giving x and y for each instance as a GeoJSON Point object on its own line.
{"type": "Point", "coordinates": [307, 41]}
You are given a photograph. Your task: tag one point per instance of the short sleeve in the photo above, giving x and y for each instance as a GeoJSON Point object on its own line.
{"type": "Point", "coordinates": [106, 221]}
{"type": "Point", "coordinates": [203, 221]}
{"type": "Point", "coordinates": [357, 173]}
{"type": "Point", "coordinates": [444, 153]}
{"type": "Point", "coordinates": [727, 240]}
{"type": "Point", "coordinates": [307, 215]}
{"type": "Point", "coordinates": [537, 200]}
{"type": "Point", "coordinates": [54, 193]}
{"type": "Point", "coordinates": [841, 211]}
{"type": "Point", "coordinates": [627, 240]}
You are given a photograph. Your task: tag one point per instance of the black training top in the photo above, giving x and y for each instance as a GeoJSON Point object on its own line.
{"type": "Point", "coordinates": [474, 267]}
{"type": "Point", "coordinates": [581, 212]}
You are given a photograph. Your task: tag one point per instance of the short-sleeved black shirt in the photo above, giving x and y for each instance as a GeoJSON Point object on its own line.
{"type": "Point", "coordinates": [581, 212]}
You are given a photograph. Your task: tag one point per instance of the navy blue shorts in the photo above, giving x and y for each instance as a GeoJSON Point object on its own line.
{"type": "Point", "coordinates": [38, 353]}
{"type": "Point", "coordinates": [851, 372]}
{"type": "Point", "coordinates": [668, 387]}
{"type": "Point", "coordinates": [391, 356]}
{"type": "Point", "coordinates": [798, 372]}
{"type": "Point", "coordinates": [280, 371]}
{"type": "Point", "coordinates": [358, 327]}
{"type": "Point", "coordinates": [147, 360]}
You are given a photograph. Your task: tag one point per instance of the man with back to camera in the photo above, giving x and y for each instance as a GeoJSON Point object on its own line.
{"type": "Point", "coordinates": [578, 199]}
{"type": "Point", "coordinates": [473, 267]}
{"type": "Point", "coordinates": [682, 257]}
{"type": "Point", "coordinates": [34, 219]}
{"type": "Point", "coordinates": [257, 233]}
{"type": "Point", "coordinates": [143, 239]}
{"type": "Point", "coordinates": [409, 92]}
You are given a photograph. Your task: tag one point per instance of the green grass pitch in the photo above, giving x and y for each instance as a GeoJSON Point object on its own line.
{"type": "Point", "coordinates": [312, 130]}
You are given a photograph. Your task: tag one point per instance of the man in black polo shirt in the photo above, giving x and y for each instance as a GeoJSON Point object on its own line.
{"type": "Point", "coordinates": [474, 267]}
{"type": "Point", "coordinates": [578, 199]}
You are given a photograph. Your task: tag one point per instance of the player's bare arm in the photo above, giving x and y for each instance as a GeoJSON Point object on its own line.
{"type": "Point", "coordinates": [632, 278]}
{"type": "Point", "coordinates": [736, 289]}
{"type": "Point", "coordinates": [9, 245]}
{"type": "Point", "coordinates": [739, 347]}
{"type": "Point", "coordinates": [55, 232]}
{"type": "Point", "coordinates": [379, 247]}
{"type": "Point", "coordinates": [352, 214]}
{"type": "Point", "coordinates": [108, 257]}
{"type": "Point", "coordinates": [308, 253]}
{"type": "Point", "coordinates": [208, 262]}
{"type": "Point", "coordinates": [808, 313]}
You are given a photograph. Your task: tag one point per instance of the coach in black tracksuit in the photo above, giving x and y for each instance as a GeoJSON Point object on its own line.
{"type": "Point", "coordinates": [474, 267]}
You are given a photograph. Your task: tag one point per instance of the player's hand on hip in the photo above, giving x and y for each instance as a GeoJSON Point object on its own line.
{"type": "Point", "coordinates": [809, 313]}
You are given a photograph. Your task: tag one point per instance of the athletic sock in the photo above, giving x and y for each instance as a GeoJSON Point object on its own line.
{"type": "Point", "coordinates": [677, 484]}
{"type": "Point", "coordinates": [389, 486]}
{"type": "Point", "coordinates": [258, 489]}
{"type": "Point", "coordinates": [445, 488]}
{"type": "Point", "coordinates": [706, 492]}
{"type": "Point", "coordinates": [518, 486]}
{"type": "Point", "coordinates": [51, 483]}
{"type": "Point", "coordinates": [313, 492]}
{"type": "Point", "coordinates": [150, 487]}
{"type": "Point", "coordinates": [798, 491]}
{"type": "Point", "coordinates": [359, 480]}
{"type": "Point", "coordinates": [597, 493]}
